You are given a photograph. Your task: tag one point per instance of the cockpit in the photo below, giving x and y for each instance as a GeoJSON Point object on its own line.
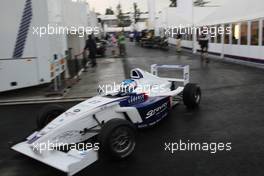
{"type": "Point", "coordinates": [136, 74]}
{"type": "Point", "coordinates": [128, 86]}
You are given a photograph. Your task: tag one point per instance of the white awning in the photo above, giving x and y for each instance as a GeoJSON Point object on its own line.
{"type": "Point", "coordinates": [235, 11]}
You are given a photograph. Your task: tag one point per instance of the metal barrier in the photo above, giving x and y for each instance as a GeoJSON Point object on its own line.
{"type": "Point", "coordinates": [58, 69]}
{"type": "Point", "coordinates": [76, 63]}
{"type": "Point", "coordinates": [66, 71]}
{"type": "Point", "coordinates": [80, 63]}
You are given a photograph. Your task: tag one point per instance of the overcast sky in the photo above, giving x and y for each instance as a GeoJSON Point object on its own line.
{"type": "Point", "coordinates": [101, 5]}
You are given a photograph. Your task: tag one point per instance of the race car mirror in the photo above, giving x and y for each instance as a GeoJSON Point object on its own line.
{"type": "Point", "coordinates": [100, 91]}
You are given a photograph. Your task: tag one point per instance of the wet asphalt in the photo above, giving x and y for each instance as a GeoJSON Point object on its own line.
{"type": "Point", "coordinates": [231, 111]}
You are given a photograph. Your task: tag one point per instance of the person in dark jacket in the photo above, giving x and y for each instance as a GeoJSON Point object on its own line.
{"type": "Point", "coordinates": [91, 46]}
{"type": "Point", "coordinates": [204, 42]}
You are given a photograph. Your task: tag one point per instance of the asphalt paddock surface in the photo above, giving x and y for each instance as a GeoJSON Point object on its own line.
{"type": "Point", "coordinates": [231, 110]}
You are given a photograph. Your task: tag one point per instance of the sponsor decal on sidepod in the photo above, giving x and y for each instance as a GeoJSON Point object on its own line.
{"type": "Point", "coordinates": [156, 110]}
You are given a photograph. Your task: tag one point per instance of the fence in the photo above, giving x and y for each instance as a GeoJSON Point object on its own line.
{"type": "Point", "coordinates": [66, 71]}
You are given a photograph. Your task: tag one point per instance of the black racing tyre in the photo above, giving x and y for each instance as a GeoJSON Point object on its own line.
{"type": "Point", "coordinates": [49, 113]}
{"type": "Point", "coordinates": [117, 139]}
{"type": "Point", "coordinates": [192, 96]}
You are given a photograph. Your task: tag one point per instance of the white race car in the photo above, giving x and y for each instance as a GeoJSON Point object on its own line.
{"type": "Point", "coordinates": [110, 119]}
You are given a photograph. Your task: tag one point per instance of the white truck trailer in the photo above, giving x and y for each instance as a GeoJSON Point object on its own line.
{"type": "Point", "coordinates": [26, 58]}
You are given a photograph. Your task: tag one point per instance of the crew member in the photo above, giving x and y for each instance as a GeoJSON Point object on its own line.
{"type": "Point", "coordinates": [91, 46]}
{"type": "Point", "coordinates": [204, 41]}
{"type": "Point", "coordinates": [122, 44]}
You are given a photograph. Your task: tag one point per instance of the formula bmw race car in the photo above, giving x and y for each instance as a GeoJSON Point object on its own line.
{"type": "Point", "coordinates": [111, 119]}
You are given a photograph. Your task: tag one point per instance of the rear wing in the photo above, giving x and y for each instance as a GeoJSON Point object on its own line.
{"type": "Point", "coordinates": [185, 68]}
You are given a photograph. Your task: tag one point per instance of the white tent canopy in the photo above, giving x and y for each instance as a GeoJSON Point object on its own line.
{"type": "Point", "coordinates": [180, 17]}
{"type": "Point", "coordinates": [235, 11]}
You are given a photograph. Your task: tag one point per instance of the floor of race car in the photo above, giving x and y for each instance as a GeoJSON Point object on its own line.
{"type": "Point", "coordinates": [231, 111]}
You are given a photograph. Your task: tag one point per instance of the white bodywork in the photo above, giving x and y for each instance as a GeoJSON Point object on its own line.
{"type": "Point", "coordinates": [89, 116]}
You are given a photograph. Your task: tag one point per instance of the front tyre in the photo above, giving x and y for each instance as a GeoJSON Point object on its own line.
{"type": "Point", "coordinates": [49, 113]}
{"type": "Point", "coordinates": [192, 96]}
{"type": "Point", "coordinates": [117, 138]}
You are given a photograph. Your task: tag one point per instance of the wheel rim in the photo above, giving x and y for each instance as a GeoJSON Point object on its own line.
{"type": "Point", "coordinates": [121, 140]}
{"type": "Point", "coordinates": [197, 97]}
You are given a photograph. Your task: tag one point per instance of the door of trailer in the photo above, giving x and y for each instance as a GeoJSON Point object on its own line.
{"type": "Point", "coordinates": [18, 73]}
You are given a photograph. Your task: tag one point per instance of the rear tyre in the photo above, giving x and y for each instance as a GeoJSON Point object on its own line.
{"type": "Point", "coordinates": [192, 96]}
{"type": "Point", "coordinates": [49, 113]}
{"type": "Point", "coordinates": [117, 138]}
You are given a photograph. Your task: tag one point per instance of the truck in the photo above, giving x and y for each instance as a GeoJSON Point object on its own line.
{"type": "Point", "coordinates": [35, 38]}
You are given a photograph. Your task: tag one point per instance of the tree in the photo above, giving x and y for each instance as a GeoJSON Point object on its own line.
{"type": "Point", "coordinates": [136, 12]}
{"type": "Point", "coordinates": [173, 3]}
{"type": "Point", "coordinates": [109, 11]}
{"type": "Point", "coordinates": [123, 20]}
{"type": "Point", "coordinates": [120, 16]}
{"type": "Point", "coordinates": [200, 3]}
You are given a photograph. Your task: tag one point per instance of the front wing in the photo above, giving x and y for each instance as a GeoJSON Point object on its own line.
{"type": "Point", "coordinates": [70, 163]}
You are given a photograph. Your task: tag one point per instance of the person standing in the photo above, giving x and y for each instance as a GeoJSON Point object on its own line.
{"type": "Point", "coordinates": [122, 44]}
{"type": "Point", "coordinates": [107, 37]}
{"type": "Point", "coordinates": [91, 46]}
{"type": "Point", "coordinates": [204, 42]}
{"type": "Point", "coordinates": [131, 36]}
{"type": "Point", "coordinates": [137, 37]}
{"type": "Point", "coordinates": [113, 45]}
{"type": "Point", "coordinates": [178, 43]}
